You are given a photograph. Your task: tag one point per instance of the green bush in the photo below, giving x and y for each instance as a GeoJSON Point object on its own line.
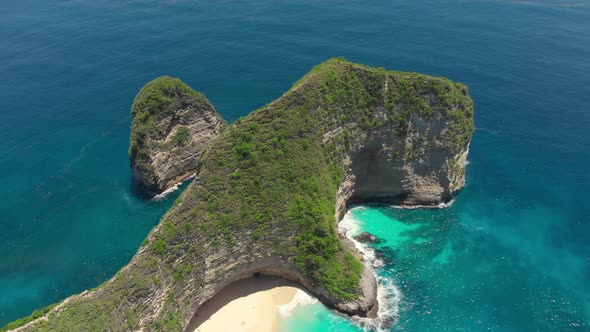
{"type": "Point", "coordinates": [181, 137]}
{"type": "Point", "coordinates": [22, 321]}
{"type": "Point", "coordinates": [159, 247]}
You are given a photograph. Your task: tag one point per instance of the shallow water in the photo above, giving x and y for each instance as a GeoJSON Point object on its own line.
{"type": "Point", "coordinates": [458, 273]}
{"type": "Point", "coordinates": [511, 254]}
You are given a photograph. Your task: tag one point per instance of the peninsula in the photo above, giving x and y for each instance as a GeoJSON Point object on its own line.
{"type": "Point", "coordinates": [270, 189]}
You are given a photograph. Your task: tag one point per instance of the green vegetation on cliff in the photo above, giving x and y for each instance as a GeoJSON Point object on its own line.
{"type": "Point", "coordinates": [266, 187]}
{"type": "Point", "coordinates": [22, 321]}
{"type": "Point", "coordinates": [157, 100]}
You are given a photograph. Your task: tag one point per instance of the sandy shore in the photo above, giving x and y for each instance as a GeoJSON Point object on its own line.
{"type": "Point", "coordinates": [248, 305]}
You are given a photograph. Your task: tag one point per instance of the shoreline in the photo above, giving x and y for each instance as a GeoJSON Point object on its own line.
{"type": "Point", "coordinates": [259, 304]}
{"type": "Point", "coordinates": [251, 304]}
{"type": "Point", "coordinates": [182, 179]}
{"type": "Point", "coordinates": [388, 295]}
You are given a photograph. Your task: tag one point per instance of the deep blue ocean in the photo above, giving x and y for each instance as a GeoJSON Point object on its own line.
{"type": "Point", "coordinates": [511, 254]}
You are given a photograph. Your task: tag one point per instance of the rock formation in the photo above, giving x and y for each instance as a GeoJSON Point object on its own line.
{"type": "Point", "coordinates": [366, 237]}
{"type": "Point", "coordinates": [172, 125]}
{"type": "Point", "coordinates": [271, 188]}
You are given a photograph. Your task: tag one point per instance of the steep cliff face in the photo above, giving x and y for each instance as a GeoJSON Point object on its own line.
{"type": "Point", "coordinates": [414, 149]}
{"type": "Point", "coordinates": [271, 188]}
{"type": "Point", "coordinates": [172, 125]}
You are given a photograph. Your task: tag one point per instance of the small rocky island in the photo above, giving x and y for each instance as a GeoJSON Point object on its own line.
{"type": "Point", "coordinates": [172, 125]}
{"type": "Point", "coordinates": [271, 188]}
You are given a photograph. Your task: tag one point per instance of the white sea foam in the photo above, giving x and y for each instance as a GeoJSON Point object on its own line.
{"type": "Point", "coordinates": [388, 295]}
{"type": "Point", "coordinates": [126, 198]}
{"type": "Point", "coordinates": [172, 189]}
{"type": "Point", "coordinates": [351, 227]}
{"type": "Point", "coordinates": [301, 298]}
{"type": "Point", "coordinates": [410, 207]}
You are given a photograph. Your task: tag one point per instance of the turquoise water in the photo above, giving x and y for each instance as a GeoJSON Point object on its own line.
{"type": "Point", "coordinates": [512, 254]}
{"type": "Point", "coordinates": [315, 317]}
{"type": "Point", "coordinates": [458, 271]}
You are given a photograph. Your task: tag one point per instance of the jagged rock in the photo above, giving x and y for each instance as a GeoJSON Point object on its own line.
{"type": "Point", "coordinates": [366, 237]}
{"type": "Point", "coordinates": [271, 189]}
{"type": "Point", "coordinates": [172, 125]}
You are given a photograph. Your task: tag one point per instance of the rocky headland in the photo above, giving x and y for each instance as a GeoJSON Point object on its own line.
{"type": "Point", "coordinates": [271, 188]}
{"type": "Point", "coordinates": [172, 125]}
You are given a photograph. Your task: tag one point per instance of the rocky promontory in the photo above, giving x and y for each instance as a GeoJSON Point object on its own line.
{"type": "Point", "coordinates": [271, 189]}
{"type": "Point", "coordinates": [172, 125]}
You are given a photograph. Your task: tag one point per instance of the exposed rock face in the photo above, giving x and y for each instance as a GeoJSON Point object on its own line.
{"type": "Point", "coordinates": [421, 169]}
{"type": "Point", "coordinates": [366, 237]}
{"type": "Point", "coordinates": [172, 125]}
{"type": "Point", "coordinates": [270, 191]}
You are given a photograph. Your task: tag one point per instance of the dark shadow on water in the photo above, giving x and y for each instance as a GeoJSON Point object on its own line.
{"type": "Point", "coordinates": [387, 255]}
{"type": "Point", "coordinates": [139, 190]}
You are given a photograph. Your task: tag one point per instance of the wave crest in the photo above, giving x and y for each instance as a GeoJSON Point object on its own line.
{"type": "Point", "coordinates": [301, 298]}
{"type": "Point", "coordinates": [388, 295]}
{"type": "Point", "coordinates": [172, 189]}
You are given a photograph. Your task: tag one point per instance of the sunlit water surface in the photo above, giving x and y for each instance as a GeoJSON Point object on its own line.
{"type": "Point", "coordinates": [512, 254]}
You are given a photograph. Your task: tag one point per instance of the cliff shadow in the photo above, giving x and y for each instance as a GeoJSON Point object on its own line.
{"type": "Point", "coordinates": [139, 190]}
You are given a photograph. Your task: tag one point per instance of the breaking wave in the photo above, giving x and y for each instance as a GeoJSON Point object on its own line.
{"type": "Point", "coordinates": [301, 298]}
{"type": "Point", "coordinates": [411, 207]}
{"type": "Point", "coordinates": [388, 295]}
{"type": "Point", "coordinates": [172, 189]}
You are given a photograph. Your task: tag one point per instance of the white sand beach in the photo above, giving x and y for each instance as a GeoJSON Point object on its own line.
{"type": "Point", "coordinates": [250, 304]}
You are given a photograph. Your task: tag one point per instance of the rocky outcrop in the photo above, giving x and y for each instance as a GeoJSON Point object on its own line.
{"type": "Point", "coordinates": [172, 125]}
{"type": "Point", "coordinates": [271, 189]}
{"type": "Point", "coordinates": [366, 237]}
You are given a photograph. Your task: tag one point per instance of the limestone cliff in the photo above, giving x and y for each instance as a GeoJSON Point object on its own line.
{"type": "Point", "coordinates": [172, 125]}
{"type": "Point", "coordinates": [271, 188]}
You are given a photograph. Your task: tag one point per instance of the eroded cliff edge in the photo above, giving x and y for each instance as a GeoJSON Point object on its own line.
{"type": "Point", "coordinates": [172, 125]}
{"type": "Point", "coordinates": [271, 187]}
